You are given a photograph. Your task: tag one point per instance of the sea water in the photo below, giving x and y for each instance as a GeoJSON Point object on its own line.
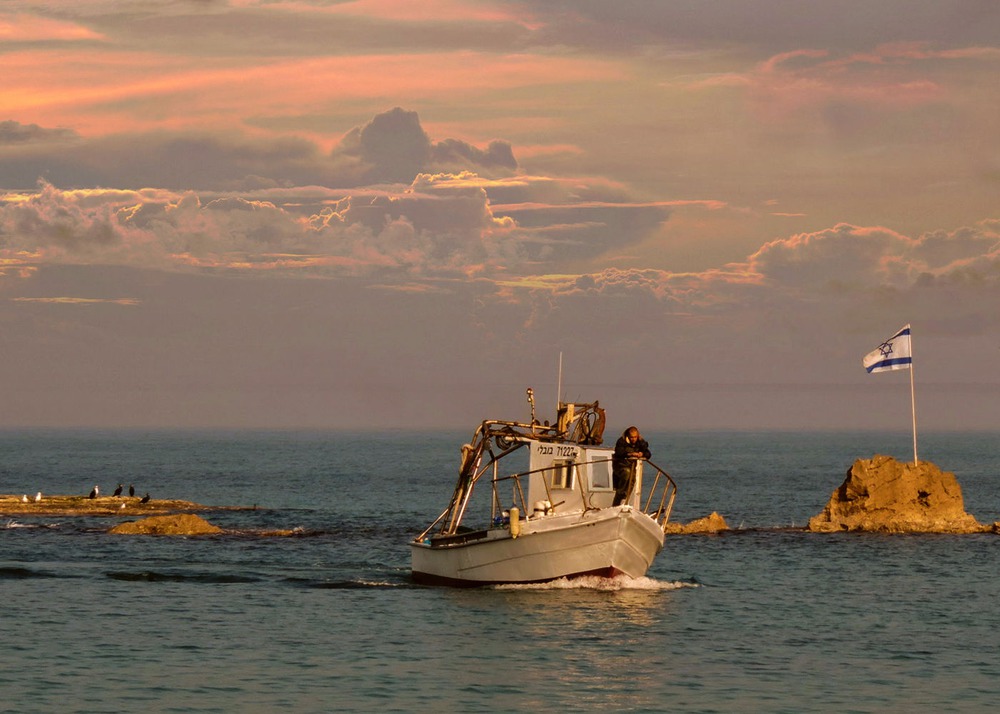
{"type": "Point", "coordinates": [765, 618]}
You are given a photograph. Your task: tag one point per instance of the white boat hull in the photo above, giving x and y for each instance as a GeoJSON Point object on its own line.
{"type": "Point", "coordinates": [607, 542]}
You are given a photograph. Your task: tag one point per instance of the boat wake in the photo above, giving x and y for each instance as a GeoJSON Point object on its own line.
{"type": "Point", "coordinates": [349, 584]}
{"type": "Point", "coordinates": [596, 582]}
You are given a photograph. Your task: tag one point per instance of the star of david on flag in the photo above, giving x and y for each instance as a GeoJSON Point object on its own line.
{"type": "Point", "coordinates": [894, 353]}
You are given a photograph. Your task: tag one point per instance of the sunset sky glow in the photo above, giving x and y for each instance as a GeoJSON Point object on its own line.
{"type": "Point", "coordinates": [381, 214]}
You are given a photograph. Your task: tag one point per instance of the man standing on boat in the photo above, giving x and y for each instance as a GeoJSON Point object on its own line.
{"type": "Point", "coordinates": [629, 448]}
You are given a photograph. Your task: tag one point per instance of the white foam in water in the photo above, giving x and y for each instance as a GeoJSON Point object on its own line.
{"type": "Point", "coordinates": [14, 524]}
{"type": "Point", "coordinates": [595, 582]}
{"type": "Point", "coordinates": [378, 584]}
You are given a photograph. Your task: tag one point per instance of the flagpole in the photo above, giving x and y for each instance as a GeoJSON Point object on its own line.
{"type": "Point", "coordinates": [913, 402]}
{"type": "Point", "coordinates": [881, 359]}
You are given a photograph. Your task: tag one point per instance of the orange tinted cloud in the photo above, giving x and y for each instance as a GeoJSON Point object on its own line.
{"type": "Point", "coordinates": [98, 93]}
{"type": "Point", "coordinates": [22, 27]}
{"type": "Point", "coordinates": [78, 300]}
{"type": "Point", "coordinates": [897, 76]}
{"type": "Point", "coordinates": [429, 10]}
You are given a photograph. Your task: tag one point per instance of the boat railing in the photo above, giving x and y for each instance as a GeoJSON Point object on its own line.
{"type": "Point", "coordinates": [657, 503]}
{"type": "Point", "coordinates": [660, 497]}
{"type": "Point", "coordinates": [517, 497]}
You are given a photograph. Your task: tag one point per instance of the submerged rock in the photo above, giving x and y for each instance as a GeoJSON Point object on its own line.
{"type": "Point", "coordinates": [712, 523]}
{"type": "Point", "coordinates": [179, 524]}
{"type": "Point", "coordinates": [885, 495]}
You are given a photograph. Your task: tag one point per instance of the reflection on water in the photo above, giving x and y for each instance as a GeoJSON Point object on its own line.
{"type": "Point", "coordinates": [585, 643]}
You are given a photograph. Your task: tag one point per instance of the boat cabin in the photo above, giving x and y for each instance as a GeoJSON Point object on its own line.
{"type": "Point", "coordinates": [568, 477]}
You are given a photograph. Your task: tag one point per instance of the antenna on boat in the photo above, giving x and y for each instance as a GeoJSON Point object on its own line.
{"type": "Point", "coordinates": [559, 385]}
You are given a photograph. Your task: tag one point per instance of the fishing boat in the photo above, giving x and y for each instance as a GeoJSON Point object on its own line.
{"type": "Point", "coordinates": [534, 502]}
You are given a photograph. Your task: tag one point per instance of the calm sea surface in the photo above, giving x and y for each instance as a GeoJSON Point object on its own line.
{"type": "Point", "coordinates": [763, 619]}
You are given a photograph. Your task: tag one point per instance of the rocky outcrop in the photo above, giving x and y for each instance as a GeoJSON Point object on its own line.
{"type": "Point", "coordinates": [712, 523]}
{"type": "Point", "coordinates": [53, 505]}
{"type": "Point", "coordinates": [179, 524]}
{"type": "Point", "coordinates": [884, 495]}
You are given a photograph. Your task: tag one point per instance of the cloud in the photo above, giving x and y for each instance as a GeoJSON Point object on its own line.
{"type": "Point", "coordinates": [12, 132]}
{"type": "Point", "coordinates": [768, 26]}
{"type": "Point", "coordinates": [393, 207]}
{"type": "Point", "coordinates": [305, 27]}
{"type": "Point", "coordinates": [452, 153]}
{"type": "Point", "coordinates": [188, 67]}
{"type": "Point", "coordinates": [432, 11]}
{"type": "Point", "coordinates": [394, 148]}
{"type": "Point", "coordinates": [388, 200]}
{"type": "Point", "coordinates": [428, 233]}
{"type": "Point", "coordinates": [883, 93]}
{"type": "Point", "coordinates": [391, 148]}
{"type": "Point", "coordinates": [849, 277]}
{"type": "Point", "coordinates": [847, 256]}
{"type": "Point", "coordinates": [164, 160]}
{"type": "Point", "coordinates": [78, 300]}
{"type": "Point", "coordinates": [586, 229]}
{"type": "Point", "coordinates": [443, 229]}
{"type": "Point", "coordinates": [24, 27]}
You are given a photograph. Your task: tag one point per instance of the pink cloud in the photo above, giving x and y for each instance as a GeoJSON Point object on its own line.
{"type": "Point", "coordinates": [444, 232]}
{"type": "Point", "coordinates": [22, 27]}
{"type": "Point", "coordinates": [99, 93]}
{"type": "Point", "coordinates": [434, 232]}
{"type": "Point", "coordinates": [430, 11]}
{"type": "Point", "coordinates": [894, 77]}
{"type": "Point", "coordinates": [79, 300]}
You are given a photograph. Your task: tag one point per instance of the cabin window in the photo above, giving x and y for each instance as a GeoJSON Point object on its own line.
{"type": "Point", "coordinates": [562, 474]}
{"type": "Point", "coordinates": [600, 475]}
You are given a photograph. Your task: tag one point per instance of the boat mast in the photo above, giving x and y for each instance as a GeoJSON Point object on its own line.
{"type": "Point", "coordinates": [559, 385]}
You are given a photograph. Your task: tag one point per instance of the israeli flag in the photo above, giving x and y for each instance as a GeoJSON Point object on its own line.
{"type": "Point", "coordinates": [894, 353]}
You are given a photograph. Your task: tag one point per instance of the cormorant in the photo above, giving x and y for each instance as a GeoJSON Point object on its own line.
{"type": "Point", "coordinates": [144, 499]}
{"type": "Point", "coordinates": [96, 492]}
{"type": "Point", "coordinates": [131, 490]}
{"type": "Point", "coordinates": [118, 491]}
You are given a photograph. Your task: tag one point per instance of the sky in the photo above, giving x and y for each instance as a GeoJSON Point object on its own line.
{"type": "Point", "coordinates": [380, 214]}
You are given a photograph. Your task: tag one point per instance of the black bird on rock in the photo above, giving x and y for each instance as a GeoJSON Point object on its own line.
{"type": "Point", "coordinates": [96, 492]}
{"type": "Point", "coordinates": [144, 499]}
{"type": "Point", "coordinates": [131, 490]}
{"type": "Point", "coordinates": [118, 491]}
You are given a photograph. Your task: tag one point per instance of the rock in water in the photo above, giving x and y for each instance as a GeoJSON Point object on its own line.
{"type": "Point", "coordinates": [179, 524]}
{"type": "Point", "coordinates": [712, 523]}
{"type": "Point", "coordinates": [885, 495]}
